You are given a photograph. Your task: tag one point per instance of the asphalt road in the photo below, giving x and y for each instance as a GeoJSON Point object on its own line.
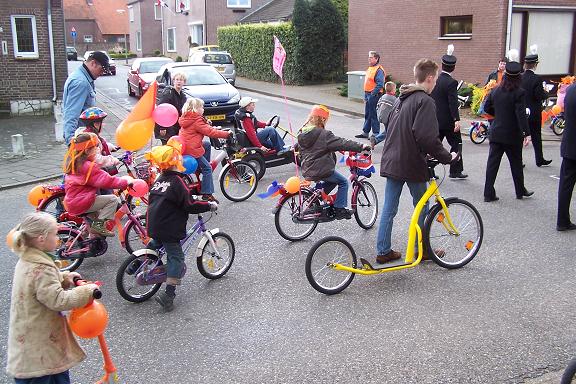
{"type": "Point", "coordinates": [506, 317]}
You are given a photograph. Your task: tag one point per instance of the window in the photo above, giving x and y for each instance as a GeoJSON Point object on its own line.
{"type": "Point", "coordinates": [131, 14]}
{"type": "Point", "coordinates": [171, 40]}
{"type": "Point", "coordinates": [138, 41]}
{"type": "Point", "coordinates": [456, 26]}
{"type": "Point", "coordinates": [182, 5]}
{"type": "Point", "coordinates": [239, 3]}
{"type": "Point", "coordinates": [88, 39]}
{"type": "Point", "coordinates": [24, 36]}
{"type": "Point", "coordinates": [157, 12]}
{"type": "Point", "coordinates": [552, 33]}
{"type": "Point", "coordinates": [196, 33]}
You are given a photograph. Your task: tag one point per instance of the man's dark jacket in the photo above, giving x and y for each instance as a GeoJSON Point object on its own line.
{"type": "Point", "coordinates": [568, 146]}
{"type": "Point", "coordinates": [171, 96]}
{"type": "Point", "coordinates": [535, 95]}
{"type": "Point", "coordinates": [445, 94]}
{"type": "Point", "coordinates": [510, 123]}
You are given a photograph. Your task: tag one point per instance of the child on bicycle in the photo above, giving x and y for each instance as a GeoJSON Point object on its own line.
{"type": "Point", "coordinates": [41, 346]}
{"type": "Point", "coordinates": [169, 204]}
{"type": "Point", "coordinates": [317, 146]}
{"type": "Point", "coordinates": [83, 180]}
{"type": "Point", "coordinates": [93, 119]}
{"type": "Point", "coordinates": [193, 128]}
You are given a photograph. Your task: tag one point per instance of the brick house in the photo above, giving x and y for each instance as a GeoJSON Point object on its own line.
{"type": "Point", "coordinates": [182, 22]}
{"type": "Point", "coordinates": [33, 56]}
{"type": "Point", "coordinates": [99, 24]}
{"type": "Point", "coordinates": [481, 31]}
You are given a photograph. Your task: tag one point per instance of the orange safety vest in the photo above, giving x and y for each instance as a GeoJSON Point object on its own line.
{"type": "Point", "coordinates": [369, 82]}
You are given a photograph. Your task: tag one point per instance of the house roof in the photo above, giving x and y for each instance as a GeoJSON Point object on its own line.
{"type": "Point", "coordinates": [274, 10]}
{"type": "Point", "coordinates": [104, 12]}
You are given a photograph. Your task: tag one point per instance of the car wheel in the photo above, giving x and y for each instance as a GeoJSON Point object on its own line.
{"type": "Point", "coordinates": [130, 92]}
{"type": "Point", "coordinates": [140, 91]}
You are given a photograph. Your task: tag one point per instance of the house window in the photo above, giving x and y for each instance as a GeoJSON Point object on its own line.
{"type": "Point", "coordinates": [552, 33]}
{"type": "Point", "coordinates": [138, 41]}
{"type": "Point", "coordinates": [239, 3]}
{"type": "Point", "coordinates": [88, 39]}
{"type": "Point", "coordinates": [24, 36]}
{"type": "Point", "coordinates": [131, 14]}
{"type": "Point", "coordinates": [171, 40]}
{"type": "Point", "coordinates": [157, 12]}
{"type": "Point", "coordinates": [182, 5]}
{"type": "Point", "coordinates": [196, 33]}
{"type": "Point", "coordinates": [456, 26]}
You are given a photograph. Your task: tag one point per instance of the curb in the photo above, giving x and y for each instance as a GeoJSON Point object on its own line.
{"type": "Point", "coordinates": [23, 183]}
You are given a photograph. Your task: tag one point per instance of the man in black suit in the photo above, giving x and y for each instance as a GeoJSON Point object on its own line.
{"type": "Point", "coordinates": [445, 94]}
{"type": "Point", "coordinates": [535, 95]}
{"type": "Point", "coordinates": [568, 167]}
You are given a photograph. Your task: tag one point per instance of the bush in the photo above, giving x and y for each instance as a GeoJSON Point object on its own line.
{"type": "Point", "coordinates": [477, 93]}
{"type": "Point", "coordinates": [122, 55]}
{"type": "Point", "coordinates": [157, 52]}
{"type": "Point", "coordinates": [178, 59]}
{"type": "Point", "coordinates": [343, 90]}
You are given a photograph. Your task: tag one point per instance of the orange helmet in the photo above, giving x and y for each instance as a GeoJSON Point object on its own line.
{"type": "Point", "coordinates": [164, 157]}
{"type": "Point", "coordinates": [321, 111]}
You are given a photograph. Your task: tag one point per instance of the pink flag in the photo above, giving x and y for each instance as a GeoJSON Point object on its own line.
{"type": "Point", "coordinates": [279, 57]}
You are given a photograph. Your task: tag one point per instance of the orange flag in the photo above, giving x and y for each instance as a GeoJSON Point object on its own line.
{"type": "Point", "coordinates": [143, 109]}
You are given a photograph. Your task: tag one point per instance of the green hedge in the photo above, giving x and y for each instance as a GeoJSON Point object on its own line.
{"type": "Point", "coordinates": [252, 47]}
{"type": "Point", "coordinates": [122, 55]}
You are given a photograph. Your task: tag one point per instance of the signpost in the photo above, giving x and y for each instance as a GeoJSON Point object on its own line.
{"type": "Point", "coordinates": [73, 34]}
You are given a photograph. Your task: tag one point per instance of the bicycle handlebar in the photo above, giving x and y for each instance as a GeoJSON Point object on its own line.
{"type": "Point", "coordinates": [97, 294]}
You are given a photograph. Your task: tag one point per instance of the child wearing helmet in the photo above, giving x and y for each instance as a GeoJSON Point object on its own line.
{"type": "Point", "coordinates": [169, 204]}
{"type": "Point", "coordinates": [317, 146]}
{"type": "Point", "coordinates": [93, 118]}
{"type": "Point", "coordinates": [83, 179]}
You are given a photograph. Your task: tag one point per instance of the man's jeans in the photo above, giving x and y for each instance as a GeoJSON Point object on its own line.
{"type": "Point", "coordinates": [371, 116]}
{"type": "Point", "coordinates": [270, 138]}
{"type": "Point", "coordinates": [392, 193]}
{"type": "Point", "coordinates": [342, 194]}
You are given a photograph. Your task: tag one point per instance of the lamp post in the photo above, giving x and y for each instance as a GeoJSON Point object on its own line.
{"type": "Point", "coordinates": [121, 11]}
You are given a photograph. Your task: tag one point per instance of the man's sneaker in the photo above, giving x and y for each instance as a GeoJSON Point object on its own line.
{"type": "Point", "coordinates": [210, 198]}
{"type": "Point", "coordinates": [165, 300]}
{"type": "Point", "coordinates": [362, 136]}
{"type": "Point", "coordinates": [342, 213]}
{"type": "Point", "coordinates": [99, 227]}
{"type": "Point", "coordinates": [458, 176]}
{"type": "Point", "coordinates": [372, 141]}
{"type": "Point", "coordinates": [390, 256]}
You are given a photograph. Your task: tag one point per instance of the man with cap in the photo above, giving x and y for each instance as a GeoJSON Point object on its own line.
{"type": "Point", "coordinates": [445, 95]}
{"type": "Point", "coordinates": [373, 89]}
{"type": "Point", "coordinates": [79, 91]}
{"type": "Point", "coordinates": [267, 137]}
{"type": "Point", "coordinates": [568, 167]}
{"type": "Point", "coordinates": [535, 95]}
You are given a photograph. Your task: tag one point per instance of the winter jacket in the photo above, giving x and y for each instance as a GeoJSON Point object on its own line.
{"type": "Point", "coordinates": [445, 95]}
{"type": "Point", "coordinates": [171, 96]}
{"type": "Point", "coordinates": [317, 147]}
{"type": "Point", "coordinates": [384, 107]}
{"type": "Point", "coordinates": [249, 123]}
{"type": "Point", "coordinates": [169, 204]}
{"type": "Point", "coordinates": [79, 95]}
{"type": "Point", "coordinates": [510, 124]}
{"type": "Point", "coordinates": [193, 128]}
{"type": "Point", "coordinates": [535, 95]}
{"type": "Point", "coordinates": [40, 342]}
{"type": "Point", "coordinates": [412, 134]}
{"type": "Point", "coordinates": [81, 186]}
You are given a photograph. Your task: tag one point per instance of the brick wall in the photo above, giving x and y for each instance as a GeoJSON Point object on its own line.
{"type": "Point", "coordinates": [218, 14]}
{"type": "Point", "coordinates": [27, 79]}
{"type": "Point", "coordinates": [83, 27]}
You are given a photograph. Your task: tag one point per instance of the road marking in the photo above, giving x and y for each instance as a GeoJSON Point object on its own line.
{"type": "Point", "coordinates": [555, 177]}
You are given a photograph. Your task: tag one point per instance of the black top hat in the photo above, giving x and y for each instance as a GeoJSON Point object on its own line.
{"type": "Point", "coordinates": [533, 56]}
{"type": "Point", "coordinates": [513, 67]}
{"type": "Point", "coordinates": [448, 59]}
{"type": "Point", "coordinates": [101, 58]}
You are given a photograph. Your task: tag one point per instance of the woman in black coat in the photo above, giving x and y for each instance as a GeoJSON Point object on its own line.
{"type": "Point", "coordinates": [175, 96]}
{"type": "Point", "coordinates": [508, 132]}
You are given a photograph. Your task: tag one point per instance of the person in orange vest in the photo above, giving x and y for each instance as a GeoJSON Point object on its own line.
{"type": "Point", "coordinates": [373, 89]}
{"type": "Point", "coordinates": [497, 74]}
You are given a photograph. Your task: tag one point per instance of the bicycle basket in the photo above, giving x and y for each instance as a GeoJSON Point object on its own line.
{"type": "Point", "coordinates": [144, 172]}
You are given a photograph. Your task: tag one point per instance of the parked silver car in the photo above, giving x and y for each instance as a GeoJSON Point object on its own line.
{"type": "Point", "coordinates": [222, 61]}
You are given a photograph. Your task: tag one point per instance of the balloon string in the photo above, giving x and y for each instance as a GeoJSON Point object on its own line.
{"type": "Point", "coordinates": [294, 141]}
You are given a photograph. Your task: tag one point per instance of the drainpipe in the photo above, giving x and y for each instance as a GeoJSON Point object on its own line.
{"type": "Point", "coordinates": [51, 41]}
{"type": "Point", "coordinates": [509, 27]}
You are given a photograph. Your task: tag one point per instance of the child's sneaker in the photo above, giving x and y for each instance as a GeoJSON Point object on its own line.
{"type": "Point", "coordinates": [165, 300]}
{"type": "Point", "coordinates": [99, 227]}
{"type": "Point", "coordinates": [342, 213]}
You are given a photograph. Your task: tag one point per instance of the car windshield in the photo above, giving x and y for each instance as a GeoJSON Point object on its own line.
{"type": "Point", "coordinates": [151, 66]}
{"type": "Point", "coordinates": [201, 75]}
{"type": "Point", "coordinates": [217, 58]}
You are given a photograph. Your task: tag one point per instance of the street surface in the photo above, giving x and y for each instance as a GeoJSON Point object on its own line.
{"type": "Point", "coordinates": [506, 317]}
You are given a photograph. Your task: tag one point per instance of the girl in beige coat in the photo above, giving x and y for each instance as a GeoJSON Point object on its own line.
{"type": "Point", "coordinates": [41, 346]}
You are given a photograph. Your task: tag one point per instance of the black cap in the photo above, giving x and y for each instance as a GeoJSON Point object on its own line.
{"type": "Point", "coordinates": [101, 58]}
{"type": "Point", "coordinates": [449, 60]}
{"type": "Point", "coordinates": [531, 58]}
{"type": "Point", "coordinates": [513, 68]}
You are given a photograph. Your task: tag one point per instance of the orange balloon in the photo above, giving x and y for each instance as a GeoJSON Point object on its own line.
{"type": "Point", "coordinates": [10, 239]}
{"type": "Point", "coordinates": [144, 107]}
{"type": "Point", "coordinates": [89, 321]}
{"type": "Point", "coordinates": [556, 109]}
{"type": "Point", "coordinates": [37, 194]}
{"type": "Point", "coordinates": [133, 136]}
{"type": "Point", "coordinates": [292, 185]}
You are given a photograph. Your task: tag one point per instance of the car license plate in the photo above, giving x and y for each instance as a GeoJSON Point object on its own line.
{"type": "Point", "coordinates": [221, 69]}
{"type": "Point", "coordinates": [216, 117]}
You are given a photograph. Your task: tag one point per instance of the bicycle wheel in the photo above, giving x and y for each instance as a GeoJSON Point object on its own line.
{"type": "Point", "coordinates": [238, 180]}
{"type": "Point", "coordinates": [319, 265]}
{"type": "Point", "coordinates": [451, 250]}
{"type": "Point", "coordinates": [69, 252]}
{"type": "Point", "coordinates": [475, 136]}
{"type": "Point", "coordinates": [257, 162]}
{"type": "Point", "coordinates": [212, 266]}
{"type": "Point", "coordinates": [365, 204]}
{"type": "Point", "coordinates": [287, 213]}
{"type": "Point", "coordinates": [129, 282]}
{"type": "Point", "coordinates": [53, 205]}
{"type": "Point", "coordinates": [569, 373]}
{"type": "Point", "coordinates": [133, 238]}
{"type": "Point", "coordinates": [557, 126]}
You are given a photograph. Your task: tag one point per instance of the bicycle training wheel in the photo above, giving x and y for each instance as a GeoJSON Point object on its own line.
{"type": "Point", "coordinates": [130, 278]}
{"type": "Point", "coordinates": [238, 180]}
{"type": "Point", "coordinates": [446, 248]}
{"type": "Point", "coordinates": [133, 237]}
{"type": "Point", "coordinates": [213, 266]}
{"type": "Point", "coordinates": [365, 204]}
{"type": "Point", "coordinates": [320, 262]}
{"type": "Point", "coordinates": [569, 373]}
{"type": "Point", "coordinates": [557, 126]}
{"type": "Point", "coordinates": [69, 252]}
{"type": "Point", "coordinates": [287, 216]}
{"type": "Point", "coordinates": [475, 136]}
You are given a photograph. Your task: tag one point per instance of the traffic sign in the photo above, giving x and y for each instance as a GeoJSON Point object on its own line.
{"type": "Point", "coordinates": [73, 29]}
{"type": "Point", "coordinates": [73, 34]}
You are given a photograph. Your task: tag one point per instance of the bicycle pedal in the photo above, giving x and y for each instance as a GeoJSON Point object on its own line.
{"type": "Point", "coordinates": [366, 265]}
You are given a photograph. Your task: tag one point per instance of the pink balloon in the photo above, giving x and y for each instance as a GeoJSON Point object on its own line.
{"type": "Point", "coordinates": [165, 115]}
{"type": "Point", "coordinates": [139, 188]}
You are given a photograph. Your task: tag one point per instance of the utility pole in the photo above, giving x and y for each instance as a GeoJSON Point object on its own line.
{"type": "Point", "coordinates": [121, 11]}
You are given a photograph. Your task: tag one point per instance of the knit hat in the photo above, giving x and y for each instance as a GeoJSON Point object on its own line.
{"type": "Point", "coordinates": [513, 67]}
{"type": "Point", "coordinates": [448, 59]}
{"type": "Point", "coordinates": [533, 56]}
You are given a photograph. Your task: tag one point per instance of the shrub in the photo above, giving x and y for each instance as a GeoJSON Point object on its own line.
{"type": "Point", "coordinates": [343, 90]}
{"type": "Point", "coordinates": [122, 55]}
{"type": "Point", "coordinates": [477, 93]}
{"type": "Point", "coordinates": [157, 52]}
{"type": "Point", "coordinates": [178, 59]}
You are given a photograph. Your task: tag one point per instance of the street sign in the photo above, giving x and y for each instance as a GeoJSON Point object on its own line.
{"type": "Point", "coordinates": [73, 34]}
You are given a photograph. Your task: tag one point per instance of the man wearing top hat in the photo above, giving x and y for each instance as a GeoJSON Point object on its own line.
{"type": "Point", "coordinates": [445, 94]}
{"type": "Point", "coordinates": [535, 95]}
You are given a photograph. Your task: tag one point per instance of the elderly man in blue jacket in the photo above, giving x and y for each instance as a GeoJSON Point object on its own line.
{"type": "Point", "coordinates": [79, 91]}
